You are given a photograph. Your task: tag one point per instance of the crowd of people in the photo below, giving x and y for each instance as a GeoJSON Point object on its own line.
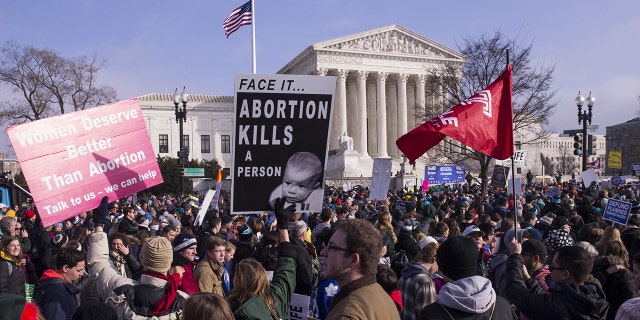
{"type": "Point", "coordinates": [420, 254]}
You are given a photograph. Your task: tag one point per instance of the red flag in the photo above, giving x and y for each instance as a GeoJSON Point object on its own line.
{"type": "Point", "coordinates": [483, 122]}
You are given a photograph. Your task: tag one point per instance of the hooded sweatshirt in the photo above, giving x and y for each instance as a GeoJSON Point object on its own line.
{"type": "Point", "coordinates": [468, 298]}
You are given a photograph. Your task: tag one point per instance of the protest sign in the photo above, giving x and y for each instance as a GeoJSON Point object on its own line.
{"type": "Point", "coordinates": [499, 177]}
{"type": "Point", "coordinates": [444, 174]}
{"type": "Point", "coordinates": [380, 178]}
{"type": "Point", "coordinates": [298, 308]}
{"type": "Point", "coordinates": [617, 211]}
{"type": "Point", "coordinates": [71, 161]}
{"type": "Point", "coordinates": [280, 141]}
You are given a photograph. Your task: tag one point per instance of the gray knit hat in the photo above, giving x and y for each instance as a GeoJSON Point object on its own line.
{"type": "Point", "coordinates": [157, 254]}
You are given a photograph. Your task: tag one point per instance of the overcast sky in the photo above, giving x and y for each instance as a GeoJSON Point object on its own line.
{"type": "Point", "coordinates": [156, 46]}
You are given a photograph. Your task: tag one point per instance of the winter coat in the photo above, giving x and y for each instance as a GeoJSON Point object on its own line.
{"type": "Point", "coordinates": [102, 270]}
{"type": "Point", "coordinates": [563, 300]}
{"type": "Point", "coordinates": [55, 296]}
{"type": "Point", "coordinates": [281, 288]}
{"type": "Point", "coordinates": [135, 301]}
{"type": "Point", "coordinates": [210, 277]}
{"type": "Point", "coordinates": [363, 299]}
{"type": "Point", "coordinates": [304, 269]}
{"type": "Point", "coordinates": [11, 275]}
{"type": "Point", "coordinates": [417, 289]}
{"type": "Point", "coordinates": [188, 283]}
{"type": "Point", "coordinates": [407, 243]}
{"type": "Point", "coordinates": [468, 298]}
{"type": "Point", "coordinates": [618, 287]}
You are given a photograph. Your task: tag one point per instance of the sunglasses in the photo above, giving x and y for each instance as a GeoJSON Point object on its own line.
{"type": "Point", "coordinates": [331, 247]}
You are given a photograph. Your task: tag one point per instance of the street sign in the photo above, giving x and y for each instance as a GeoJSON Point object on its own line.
{"type": "Point", "coordinates": [592, 127]}
{"type": "Point", "coordinates": [194, 172]}
{"type": "Point", "coordinates": [635, 166]}
{"type": "Point", "coordinates": [572, 132]}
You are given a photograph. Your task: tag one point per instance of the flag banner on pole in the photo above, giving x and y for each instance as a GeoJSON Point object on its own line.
{"type": "Point", "coordinates": [240, 16]}
{"type": "Point", "coordinates": [483, 122]}
{"type": "Point", "coordinates": [594, 164]}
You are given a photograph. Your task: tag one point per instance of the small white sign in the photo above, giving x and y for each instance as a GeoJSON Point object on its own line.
{"type": "Point", "coordinates": [519, 157]}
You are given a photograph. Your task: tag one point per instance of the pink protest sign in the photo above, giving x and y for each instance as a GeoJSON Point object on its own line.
{"type": "Point", "coordinates": [71, 161]}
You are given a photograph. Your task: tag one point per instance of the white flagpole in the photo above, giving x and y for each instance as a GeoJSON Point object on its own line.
{"type": "Point", "coordinates": [253, 36]}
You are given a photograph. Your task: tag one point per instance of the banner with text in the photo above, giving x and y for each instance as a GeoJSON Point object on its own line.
{"type": "Point", "coordinates": [444, 174]}
{"type": "Point", "coordinates": [617, 211]}
{"type": "Point", "coordinates": [71, 161]}
{"type": "Point", "coordinates": [280, 141]}
{"type": "Point", "coordinates": [380, 179]}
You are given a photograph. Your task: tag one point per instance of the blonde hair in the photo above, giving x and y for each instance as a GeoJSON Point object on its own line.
{"type": "Point", "coordinates": [384, 223]}
{"type": "Point", "coordinates": [251, 279]}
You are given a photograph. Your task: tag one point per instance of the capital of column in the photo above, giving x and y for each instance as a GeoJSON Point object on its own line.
{"type": "Point", "coordinates": [321, 71]}
{"type": "Point", "coordinates": [382, 76]}
{"type": "Point", "coordinates": [362, 75]}
{"type": "Point", "coordinates": [343, 73]}
{"type": "Point", "coordinates": [422, 78]}
{"type": "Point", "coordinates": [402, 78]}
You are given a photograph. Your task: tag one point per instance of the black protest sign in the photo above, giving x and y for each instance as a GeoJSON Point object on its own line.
{"type": "Point", "coordinates": [280, 141]}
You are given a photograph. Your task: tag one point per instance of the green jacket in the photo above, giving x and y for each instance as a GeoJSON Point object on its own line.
{"type": "Point", "coordinates": [281, 289]}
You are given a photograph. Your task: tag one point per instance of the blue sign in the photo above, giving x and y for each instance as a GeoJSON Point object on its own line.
{"type": "Point", "coordinates": [444, 174]}
{"type": "Point", "coordinates": [617, 211]}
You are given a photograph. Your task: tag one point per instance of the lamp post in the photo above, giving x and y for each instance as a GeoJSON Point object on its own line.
{"type": "Point", "coordinates": [583, 117]}
{"type": "Point", "coordinates": [181, 117]}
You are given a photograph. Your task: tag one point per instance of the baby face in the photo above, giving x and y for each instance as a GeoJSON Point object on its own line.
{"type": "Point", "coordinates": [297, 184]}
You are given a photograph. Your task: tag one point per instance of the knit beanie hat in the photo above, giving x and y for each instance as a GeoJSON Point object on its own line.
{"type": "Point", "coordinates": [29, 214]}
{"type": "Point", "coordinates": [156, 255]}
{"type": "Point", "coordinates": [10, 213]}
{"type": "Point", "coordinates": [183, 241]}
{"type": "Point", "coordinates": [557, 238]}
{"type": "Point", "coordinates": [457, 257]}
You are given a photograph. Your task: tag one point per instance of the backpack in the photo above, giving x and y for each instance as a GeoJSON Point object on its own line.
{"type": "Point", "coordinates": [399, 260]}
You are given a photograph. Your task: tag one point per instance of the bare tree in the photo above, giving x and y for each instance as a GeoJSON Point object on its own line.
{"type": "Point", "coordinates": [567, 161]}
{"type": "Point", "coordinates": [48, 83]}
{"type": "Point", "coordinates": [487, 58]}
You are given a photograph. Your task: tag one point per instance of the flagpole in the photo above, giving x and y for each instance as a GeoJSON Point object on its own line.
{"type": "Point", "coordinates": [513, 182]}
{"type": "Point", "coordinates": [253, 36]}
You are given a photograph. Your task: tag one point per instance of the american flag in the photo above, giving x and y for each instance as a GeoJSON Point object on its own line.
{"type": "Point", "coordinates": [594, 164]}
{"type": "Point", "coordinates": [240, 16]}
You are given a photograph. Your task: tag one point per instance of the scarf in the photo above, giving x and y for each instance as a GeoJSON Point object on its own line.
{"type": "Point", "coordinates": [164, 303]}
{"type": "Point", "coordinates": [12, 259]}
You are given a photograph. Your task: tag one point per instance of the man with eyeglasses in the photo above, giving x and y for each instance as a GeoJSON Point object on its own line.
{"type": "Point", "coordinates": [570, 298]}
{"type": "Point", "coordinates": [351, 258]}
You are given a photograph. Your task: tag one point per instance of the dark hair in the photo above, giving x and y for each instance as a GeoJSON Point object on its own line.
{"type": "Point", "coordinates": [214, 222]}
{"type": "Point", "coordinates": [69, 257]}
{"type": "Point", "coordinates": [439, 229]}
{"type": "Point", "coordinates": [326, 214]}
{"type": "Point", "coordinates": [121, 236]}
{"type": "Point", "coordinates": [386, 278]}
{"type": "Point", "coordinates": [577, 260]}
{"type": "Point", "coordinates": [527, 215]}
{"type": "Point", "coordinates": [167, 229]}
{"type": "Point", "coordinates": [363, 238]}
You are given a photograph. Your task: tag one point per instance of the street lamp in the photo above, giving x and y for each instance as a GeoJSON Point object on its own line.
{"type": "Point", "coordinates": [583, 117]}
{"type": "Point", "coordinates": [181, 117]}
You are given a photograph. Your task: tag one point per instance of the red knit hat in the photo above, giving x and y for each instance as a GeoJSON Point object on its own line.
{"type": "Point", "coordinates": [29, 214]}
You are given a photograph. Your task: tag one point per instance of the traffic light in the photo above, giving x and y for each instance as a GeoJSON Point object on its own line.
{"type": "Point", "coordinates": [577, 145]}
{"type": "Point", "coordinates": [592, 150]}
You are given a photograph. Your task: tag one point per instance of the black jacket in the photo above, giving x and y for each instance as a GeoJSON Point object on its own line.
{"type": "Point", "coordinates": [618, 287]}
{"type": "Point", "coordinates": [304, 268]}
{"type": "Point", "coordinates": [11, 278]}
{"type": "Point", "coordinates": [564, 301]}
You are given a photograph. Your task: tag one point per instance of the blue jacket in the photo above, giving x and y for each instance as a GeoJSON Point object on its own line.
{"type": "Point", "coordinates": [55, 296]}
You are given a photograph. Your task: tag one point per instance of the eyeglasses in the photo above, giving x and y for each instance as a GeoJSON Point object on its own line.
{"type": "Point", "coordinates": [331, 247]}
{"type": "Point", "coordinates": [552, 268]}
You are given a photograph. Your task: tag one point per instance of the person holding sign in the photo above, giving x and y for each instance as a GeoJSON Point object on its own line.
{"type": "Point", "coordinates": [301, 183]}
{"type": "Point", "coordinates": [252, 297]}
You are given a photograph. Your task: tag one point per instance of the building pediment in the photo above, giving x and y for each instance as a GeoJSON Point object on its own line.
{"type": "Point", "coordinates": [389, 40]}
{"type": "Point", "coordinates": [388, 45]}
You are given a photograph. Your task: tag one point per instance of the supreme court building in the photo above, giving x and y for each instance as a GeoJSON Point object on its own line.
{"type": "Point", "coordinates": [381, 79]}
